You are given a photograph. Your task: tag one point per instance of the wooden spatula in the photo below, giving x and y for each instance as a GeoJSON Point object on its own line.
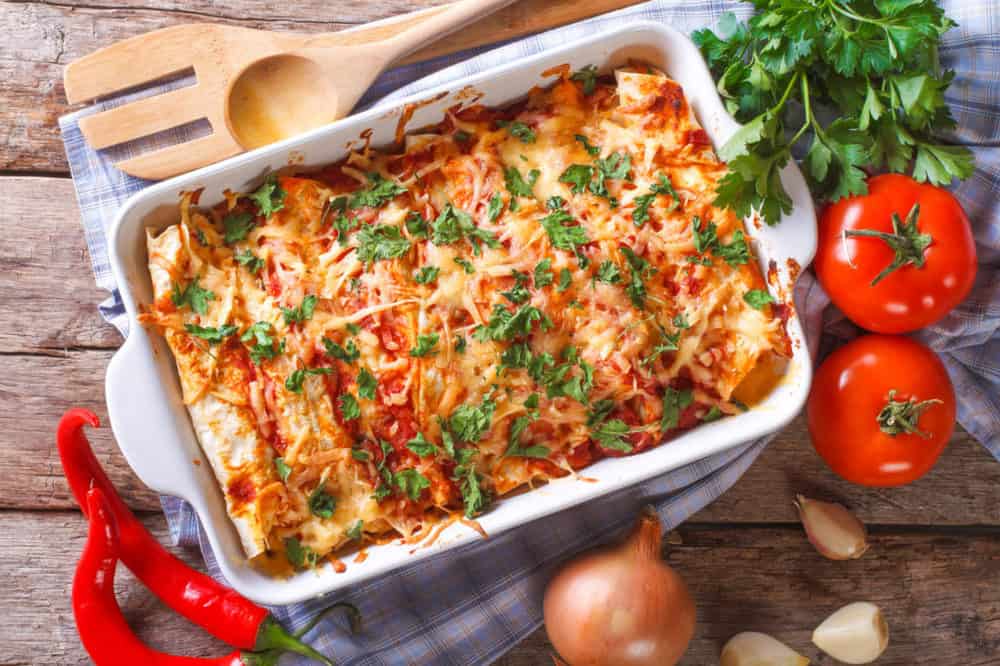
{"type": "Point", "coordinates": [263, 85]}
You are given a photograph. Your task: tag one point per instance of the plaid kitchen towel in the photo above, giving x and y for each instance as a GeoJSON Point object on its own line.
{"type": "Point", "coordinates": [471, 605]}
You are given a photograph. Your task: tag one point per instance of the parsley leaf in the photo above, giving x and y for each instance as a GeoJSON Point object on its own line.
{"type": "Point", "coordinates": [506, 325]}
{"type": "Point", "coordinates": [713, 414]}
{"type": "Point", "coordinates": [466, 265]}
{"type": "Point", "coordinates": [608, 272]}
{"type": "Point", "coordinates": [380, 191]}
{"type": "Point", "coordinates": [474, 497]}
{"type": "Point", "coordinates": [565, 279]}
{"type": "Point", "coordinates": [421, 446]}
{"type": "Point", "coordinates": [519, 293]}
{"type": "Point", "coordinates": [577, 176]}
{"type": "Point", "coordinates": [303, 312]}
{"type": "Point", "coordinates": [425, 345]}
{"type": "Point", "coordinates": [592, 150]}
{"type": "Point", "coordinates": [381, 242]}
{"type": "Point", "coordinates": [680, 321]}
{"type": "Point", "coordinates": [426, 274]}
{"type": "Point", "coordinates": [542, 275]}
{"type": "Point", "coordinates": [758, 298]}
{"type": "Point", "coordinates": [298, 555]}
{"type": "Point", "coordinates": [209, 333]}
{"type": "Point", "coordinates": [348, 353]}
{"type": "Point", "coordinates": [192, 295]}
{"type": "Point", "coordinates": [366, 384]}
{"type": "Point", "coordinates": [349, 407]}
{"type": "Point", "coordinates": [641, 270]}
{"type": "Point", "coordinates": [454, 224]}
{"type": "Point", "coordinates": [611, 435]}
{"type": "Point", "coordinates": [514, 448]}
{"type": "Point", "coordinates": [518, 186]}
{"type": "Point", "coordinates": [587, 76]}
{"type": "Point", "coordinates": [252, 262]}
{"type": "Point", "coordinates": [470, 422]}
{"type": "Point", "coordinates": [354, 532]}
{"type": "Point", "coordinates": [495, 207]}
{"type": "Point", "coordinates": [263, 347]}
{"type": "Point", "coordinates": [460, 344]}
{"type": "Point", "coordinates": [674, 403]}
{"type": "Point", "coordinates": [560, 235]}
{"type": "Point", "coordinates": [236, 227]}
{"type": "Point", "coordinates": [519, 130]}
{"type": "Point", "coordinates": [269, 197]}
{"type": "Point", "coordinates": [321, 503]}
{"type": "Point", "coordinates": [736, 252]}
{"type": "Point", "coordinates": [294, 381]}
{"type": "Point", "coordinates": [282, 468]}
{"type": "Point", "coordinates": [668, 342]}
{"type": "Point", "coordinates": [411, 482]}
{"type": "Point", "coordinates": [416, 225]}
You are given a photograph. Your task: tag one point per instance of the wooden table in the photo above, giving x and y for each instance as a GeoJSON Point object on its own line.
{"type": "Point", "coordinates": [933, 566]}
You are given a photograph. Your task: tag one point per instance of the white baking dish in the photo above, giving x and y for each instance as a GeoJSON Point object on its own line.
{"type": "Point", "coordinates": [151, 423]}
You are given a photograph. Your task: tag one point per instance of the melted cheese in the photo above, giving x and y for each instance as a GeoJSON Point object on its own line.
{"type": "Point", "coordinates": [602, 343]}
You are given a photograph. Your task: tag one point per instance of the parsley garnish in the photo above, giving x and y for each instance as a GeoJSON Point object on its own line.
{"type": "Point", "coordinates": [321, 503]}
{"type": "Point", "coordinates": [416, 225]}
{"type": "Point", "coordinates": [519, 130]}
{"type": "Point", "coordinates": [641, 270]}
{"type": "Point", "coordinates": [421, 446]}
{"type": "Point", "coordinates": [354, 532]}
{"type": "Point", "coordinates": [565, 279]}
{"type": "Point", "coordinates": [298, 555]}
{"type": "Point", "coordinates": [470, 422]}
{"type": "Point", "coordinates": [282, 468]}
{"type": "Point", "coordinates": [516, 356]}
{"type": "Point", "coordinates": [506, 325]}
{"type": "Point", "coordinates": [517, 186]}
{"type": "Point", "coordinates": [294, 381]}
{"type": "Point", "coordinates": [473, 495]}
{"type": "Point", "coordinates": [303, 312]}
{"type": "Point", "coordinates": [611, 435]}
{"type": "Point", "coordinates": [674, 403]}
{"type": "Point", "coordinates": [466, 265]}
{"type": "Point", "coordinates": [587, 76]}
{"type": "Point", "coordinates": [250, 260]}
{"type": "Point", "coordinates": [641, 213]}
{"type": "Point", "coordinates": [495, 207]}
{"type": "Point", "coordinates": [758, 298]}
{"type": "Point", "coordinates": [380, 192]}
{"type": "Point", "coordinates": [531, 402]}
{"type": "Point", "coordinates": [668, 342]}
{"type": "Point", "coordinates": [599, 411]}
{"type": "Point", "coordinates": [543, 275]}
{"type": "Point", "coordinates": [349, 407]}
{"type": "Point", "coordinates": [209, 333]}
{"type": "Point", "coordinates": [577, 176]}
{"type": "Point", "coordinates": [519, 293]}
{"type": "Point", "coordinates": [377, 243]}
{"type": "Point", "coordinates": [560, 235]}
{"type": "Point", "coordinates": [460, 344]}
{"type": "Point", "coordinates": [872, 69]}
{"type": "Point", "coordinates": [560, 380]}
{"type": "Point", "coordinates": [608, 272]}
{"type": "Point", "coordinates": [454, 224]}
{"type": "Point", "coordinates": [426, 275]}
{"type": "Point", "coordinates": [236, 227]}
{"type": "Point", "coordinates": [192, 295]}
{"type": "Point", "coordinates": [514, 448]}
{"type": "Point", "coordinates": [592, 150]}
{"type": "Point", "coordinates": [361, 455]}
{"type": "Point", "coordinates": [366, 384]}
{"type": "Point", "coordinates": [269, 197]}
{"type": "Point", "coordinates": [425, 345]}
{"type": "Point", "coordinates": [200, 237]}
{"type": "Point", "coordinates": [713, 414]}
{"type": "Point", "coordinates": [680, 321]}
{"type": "Point", "coordinates": [580, 177]}
{"type": "Point", "coordinates": [263, 347]}
{"type": "Point", "coordinates": [411, 482]}
{"type": "Point", "coordinates": [348, 353]}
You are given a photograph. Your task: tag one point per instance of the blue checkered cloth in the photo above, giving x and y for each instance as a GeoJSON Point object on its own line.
{"type": "Point", "coordinates": [471, 605]}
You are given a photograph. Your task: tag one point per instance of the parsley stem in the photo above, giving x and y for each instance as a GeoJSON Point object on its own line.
{"type": "Point", "coordinates": [840, 9]}
{"type": "Point", "coordinates": [788, 91]}
{"type": "Point", "coordinates": [808, 112]}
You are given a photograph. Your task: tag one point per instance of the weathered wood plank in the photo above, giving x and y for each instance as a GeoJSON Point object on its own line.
{"type": "Point", "coordinates": [44, 36]}
{"type": "Point", "coordinates": [937, 591]}
{"type": "Point", "coordinates": [50, 299]}
{"type": "Point", "coordinates": [964, 489]}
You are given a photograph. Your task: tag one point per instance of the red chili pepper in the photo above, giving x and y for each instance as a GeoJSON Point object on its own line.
{"type": "Point", "coordinates": [221, 611]}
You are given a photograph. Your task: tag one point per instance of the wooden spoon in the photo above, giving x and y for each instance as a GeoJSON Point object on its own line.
{"type": "Point", "coordinates": [288, 93]}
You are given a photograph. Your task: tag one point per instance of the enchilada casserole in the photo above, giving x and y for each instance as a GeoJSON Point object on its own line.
{"type": "Point", "coordinates": [506, 297]}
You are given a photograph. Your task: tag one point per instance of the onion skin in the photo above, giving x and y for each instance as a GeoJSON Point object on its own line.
{"type": "Point", "coordinates": [620, 605]}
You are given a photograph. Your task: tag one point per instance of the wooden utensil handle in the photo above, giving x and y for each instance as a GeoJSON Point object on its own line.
{"type": "Point", "coordinates": [443, 23]}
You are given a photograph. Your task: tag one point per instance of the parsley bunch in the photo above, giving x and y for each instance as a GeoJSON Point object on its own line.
{"type": "Point", "coordinates": [871, 65]}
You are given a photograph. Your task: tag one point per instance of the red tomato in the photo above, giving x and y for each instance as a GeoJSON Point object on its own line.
{"type": "Point", "coordinates": [931, 281]}
{"type": "Point", "coordinates": [881, 410]}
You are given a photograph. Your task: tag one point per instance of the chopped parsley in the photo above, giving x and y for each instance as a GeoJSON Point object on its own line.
{"type": "Point", "coordinates": [470, 422]}
{"type": "Point", "coordinates": [294, 381]}
{"type": "Point", "coordinates": [600, 411]}
{"type": "Point", "coordinates": [581, 177]}
{"type": "Point", "coordinates": [200, 237]}
{"type": "Point", "coordinates": [506, 325]}
{"type": "Point", "coordinates": [641, 270]}
{"type": "Point", "coordinates": [269, 197]}
{"type": "Point", "coordinates": [263, 347]}
{"type": "Point", "coordinates": [349, 407]}
{"type": "Point", "coordinates": [282, 468]}
{"type": "Point", "coordinates": [411, 482]}
{"type": "Point", "coordinates": [707, 240]}
{"type": "Point", "coordinates": [344, 226]}
{"type": "Point", "coordinates": [611, 435]}
{"type": "Point", "coordinates": [713, 414]}
{"type": "Point", "coordinates": [680, 321]}
{"type": "Point", "coordinates": [425, 345]}
{"type": "Point", "coordinates": [668, 342]}
{"type": "Point", "coordinates": [354, 532]}
{"type": "Point", "coordinates": [366, 384]}
{"type": "Point", "coordinates": [460, 344]}
{"type": "Point", "coordinates": [236, 226]}
{"type": "Point", "coordinates": [381, 242]}
{"type": "Point", "coordinates": [426, 275]}
{"type": "Point", "coordinates": [421, 446]}
{"type": "Point", "coordinates": [587, 76]}
{"type": "Point", "coordinates": [514, 448]}
{"type": "Point", "coordinates": [252, 262]}
{"type": "Point", "coordinates": [495, 207]}
{"type": "Point", "coordinates": [560, 380]}
{"type": "Point", "coordinates": [353, 328]}
{"type": "Point", "coordinates": [380, 192]}
{"type": "Point", "coordinates": [298, 555]}
{"type": "Point", "coordinates": [416, 225]}
{"type": "Point", "coordinates": [758, 298]}
{"type": "Point", "coordinates": [192, 295]}
{"type": "Point", "coordinates": [321, 503]}
{"type": "Point", "coordinates": [609, 273]}
{"type": "Point", "coordinates": [542, 275]}
{"type": "Point", "coordinates": [560, 235]}
{"type": "Point", "coordinates": [736, 252]}
{"type": "Point", "coordinates": [466, 265]}
{"type": "Point", "coordinates": [332, 205]}
{"type": "Point", "coordinates": [518, 130]}
{"type": "Point", "coordinates": [519, 293]}
{"type": "Point", "coordinates": [518, 186]}
{"type": "Point", "coordinates": [531, 402]}
{"type": "Point", "coordinates": [209, 333]}
{"type": "Point", "coordinates": [591, 149]}
{"type": "Point", "coordinates": [360, 455]}
{"type": "Point", "coordinates": [454, 224]}
{"type": "Point", "coordinates": [674, 403]}
{"type": "Point", "coordinates": [577, 176]}
{"type": "Point", "coordinates": [348, 353]}
{"type": "Point", "coordinates": [565, 279]}
{"type": "Point", "coordinates": [303, 312]}
{"type": "Point", "coordinates": [474, 497]}
{"type": "Point", "coordinates": [518, 355]}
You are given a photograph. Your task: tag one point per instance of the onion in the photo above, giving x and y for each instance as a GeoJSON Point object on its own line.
{"type": "Point", "coordinates": [754, 649]}
{"type": "Point", "coordinates": [620, 605]}
{"type": "Point", "coordinates": [835, 532]}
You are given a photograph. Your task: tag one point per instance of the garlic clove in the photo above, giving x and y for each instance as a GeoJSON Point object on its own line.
{"type": "Point", "coordinates": [835, 532]}
{"type": "Point", "coordinates": [855, 634]}
{"type": "Point", "coordinates": [755, 649]}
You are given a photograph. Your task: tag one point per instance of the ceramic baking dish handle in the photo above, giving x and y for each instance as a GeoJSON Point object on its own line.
{"type": "Point", "coordinates": [144, 418]}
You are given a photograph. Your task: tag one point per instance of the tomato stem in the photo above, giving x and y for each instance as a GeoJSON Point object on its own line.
{"type": "Point", "coordinates": [901, 417]}
{"type": "Point", "coordinates": [905, 240]}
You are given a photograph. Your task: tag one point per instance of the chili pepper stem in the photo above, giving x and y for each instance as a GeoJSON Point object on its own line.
{"type": "Point", "coordinates": [273, 637]}
{"type": "Point", "coordinates": [905, 240]}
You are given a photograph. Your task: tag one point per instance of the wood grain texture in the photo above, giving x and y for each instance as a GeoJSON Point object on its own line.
{"type": "Point", "coordinates": [938, 592]}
